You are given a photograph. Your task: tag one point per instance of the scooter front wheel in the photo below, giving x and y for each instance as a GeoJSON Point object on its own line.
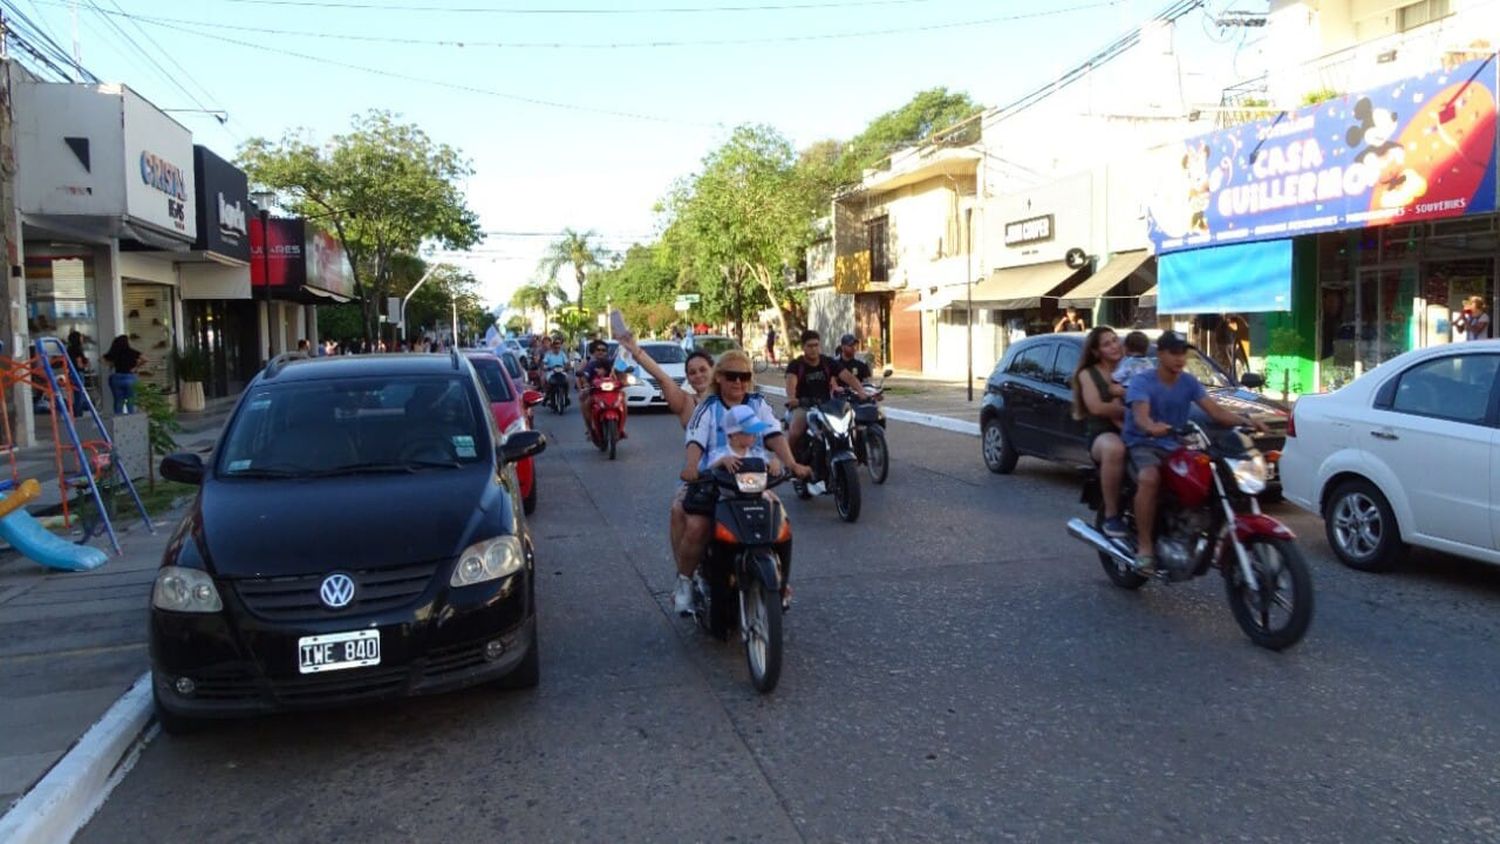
{"type": "Point", "coordinates": [760, 607]}
{"type": "Point", "coordinates": [611, 436]}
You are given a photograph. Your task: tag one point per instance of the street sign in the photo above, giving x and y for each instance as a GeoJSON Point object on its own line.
{"type": "Point", "coordinates": [393, 309]}
{"type": "Point", "coordinates": [682, 307]}
{"type": "Point", "coordinates": [688, 298]}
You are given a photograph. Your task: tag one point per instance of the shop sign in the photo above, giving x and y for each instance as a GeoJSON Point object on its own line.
{"type": "Point", "coordinates": [327, 265]}
{"type": "Point", "coordinates": [159, 184]}
{"type": "Point", "coordinates": [285, 264]}
{"type": "Point", "coordinates": [1419, 149]}
{"type": "Point", "coordinates": [223, 206]}
{"type": "Point", "coordinates": [1030, 230]}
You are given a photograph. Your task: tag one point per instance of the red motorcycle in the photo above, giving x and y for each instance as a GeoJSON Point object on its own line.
{"type": "Point", "coordinates": [1209, 518]}
{"type": "Point", "coordinates": [607, 414]}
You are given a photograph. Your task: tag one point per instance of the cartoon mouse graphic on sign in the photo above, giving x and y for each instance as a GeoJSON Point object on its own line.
{"type": "Point", "coordinates": [1383, 157]}
{"type": "Point", "coordinates": [1199, 187]}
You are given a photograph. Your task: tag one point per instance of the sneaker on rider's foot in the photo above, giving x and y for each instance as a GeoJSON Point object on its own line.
{"type": "Point", "coordinates": [816, 488]}
{"type": "Point", "coordinates": [1115, 527]}
{"type": "Point", "coordinates": [682, 596]}
{"type": "Point", "coordinates": [1145, 564]}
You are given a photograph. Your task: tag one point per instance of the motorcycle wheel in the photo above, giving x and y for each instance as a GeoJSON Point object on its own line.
{"type": "Point", "coordinates": [877, 457]}
{"type": "Point", "coordinates": [761, 608]}
{"type": "Point", "coordinates": [611, 436]}
{"type": "Point", "coordinates": [1278, 615]}
{"type": "Point", "coordinates": [1122, 576]}
{"type": "Point", "coordinates": [846, 490]}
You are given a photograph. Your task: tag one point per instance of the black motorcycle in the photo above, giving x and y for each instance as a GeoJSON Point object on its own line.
{"type": "Point", "coordinates": [869, 431]}
{"type": "Point", "coordinates": [828, 450]}
{"type": "Point", "coordinates": [557, 390]}
{"type": "Point", "coordinates": [745, 566]}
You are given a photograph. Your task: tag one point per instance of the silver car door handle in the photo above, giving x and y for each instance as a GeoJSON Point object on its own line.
{"type": "Point", "coordinates": [1384, 435]}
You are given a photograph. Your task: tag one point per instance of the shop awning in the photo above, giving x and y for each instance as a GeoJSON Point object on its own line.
{"type": "Point", "coordinates": [1236, 278]}
{"type": "Point", "coordinates": [1019, 288]}
{"type": "Point", "coordinates": [944, 297]}
{"type": "Point", "coordinates": [1148, 299]}
{"type": "Point", "coordinates": [1108, 278]}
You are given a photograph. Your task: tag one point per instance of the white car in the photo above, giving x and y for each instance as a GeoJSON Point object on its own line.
{"type": "Point", "coordinates": [714, 344]}
{"type": "Point", "coordinates": [642, 390]}
{"type": "Point", "coordinates": [1404, 455]}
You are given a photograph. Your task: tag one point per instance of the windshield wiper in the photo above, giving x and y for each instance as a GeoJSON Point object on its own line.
{"type": "Point", "coordinates": [379, 467]}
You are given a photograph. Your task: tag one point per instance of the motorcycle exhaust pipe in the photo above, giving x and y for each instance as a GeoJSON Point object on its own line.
{"type": "Point", "coordinates": [1084, 532]}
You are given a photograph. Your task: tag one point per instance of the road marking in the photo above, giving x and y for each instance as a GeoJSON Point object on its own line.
{"type": "Point", "coordinates": [930, 420]}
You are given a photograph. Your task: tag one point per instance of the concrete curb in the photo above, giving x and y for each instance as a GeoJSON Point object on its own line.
{"type": "Point", "coordinates": [55, 809]}
{"type": "Point", "coordinates": [930, 420]}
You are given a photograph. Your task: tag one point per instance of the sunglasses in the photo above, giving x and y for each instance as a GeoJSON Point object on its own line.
{"type": "Point", "coordinates": [736, 375]}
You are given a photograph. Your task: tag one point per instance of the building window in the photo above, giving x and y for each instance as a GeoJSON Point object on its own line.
{"type": "Point", "coordinates": [1414, 15]}
{"type": "Point", "coordinates": [876, 231]}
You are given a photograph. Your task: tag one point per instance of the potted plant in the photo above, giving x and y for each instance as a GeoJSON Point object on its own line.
{"type": "Point", "coordinates": [192, 371]}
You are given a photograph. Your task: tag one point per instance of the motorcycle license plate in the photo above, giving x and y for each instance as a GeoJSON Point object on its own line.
{"type": "Point", "coordinates": [337, 651]}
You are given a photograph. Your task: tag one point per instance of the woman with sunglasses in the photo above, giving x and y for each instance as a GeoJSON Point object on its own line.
{"type": "Point", "coordinates": [705, 434]}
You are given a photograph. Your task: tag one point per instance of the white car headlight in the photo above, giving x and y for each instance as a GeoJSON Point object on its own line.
{"type": "Point", "coordinates": [1250, 474]}
{"type": "Point", "coordinates": [179, 589]}
{"type": "Point", "coordinates": [631, 381]}
{"type": "Point", "coordinates": [488, 560]}
{"type": "Point", "coordinates": [750, 482]}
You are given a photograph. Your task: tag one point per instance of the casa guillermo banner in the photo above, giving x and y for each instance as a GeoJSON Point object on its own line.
{"type": "Point", "coordinates": [1418, 149]}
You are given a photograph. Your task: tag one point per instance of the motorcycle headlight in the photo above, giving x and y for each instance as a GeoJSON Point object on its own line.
{"type": "Point", "coordinates": [607, 386]}
{"type": "Point", "coordinates": [488, 560]}
{"type": "Point", "coordinates": [840, 424]}
{"type": "Point", "coordinates": [185, 590]}
{"type": "Point", "coordinates": [1250, 475]}
{"type": "Point", "coordinates": [750, 482]}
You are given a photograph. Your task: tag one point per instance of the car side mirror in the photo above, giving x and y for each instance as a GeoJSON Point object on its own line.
{"type": "Point", "coordinates": [531, 398]}
{"type": "Point", "coordinates": [521, 445]}
{"type": "Point", "coordinates": [1252, 381]}
{"type": "Point", "coordinates": [183, 467]}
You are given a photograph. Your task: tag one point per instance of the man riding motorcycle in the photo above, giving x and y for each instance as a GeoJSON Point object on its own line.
{"type": "Point", "coordinates": [852, 372]}
{"type": "Point", "coordinates": [598, 366]}
{"type": "Point", "coordinates": [1159, 402]}
{"type": "Point", "coordinates": [556, 358]}
{"type": "Point", "coordinates": [809, 382]}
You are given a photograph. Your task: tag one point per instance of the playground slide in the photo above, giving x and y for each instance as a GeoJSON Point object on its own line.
{"type": "Point", "coordinates": [27, 535]}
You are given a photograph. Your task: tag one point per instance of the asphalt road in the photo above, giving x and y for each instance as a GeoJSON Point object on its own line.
{"type": "Point", "coordinates": [957, 669]}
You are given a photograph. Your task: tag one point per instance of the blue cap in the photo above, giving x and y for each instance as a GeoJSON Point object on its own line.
{"type": "Point", "coordinates": [742, 420]}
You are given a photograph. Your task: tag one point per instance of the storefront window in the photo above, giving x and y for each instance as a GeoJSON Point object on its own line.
{"type": "Point", "coordinates": [148, 322]}
{"type": "Point", "coordinates": [60, 294]}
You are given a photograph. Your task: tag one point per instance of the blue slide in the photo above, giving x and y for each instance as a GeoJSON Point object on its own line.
{"type": "Point", "coordinates": [27, 535]}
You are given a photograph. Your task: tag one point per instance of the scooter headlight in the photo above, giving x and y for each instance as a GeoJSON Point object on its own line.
{"type": "Point", "coordinates": [607, 386]}
{"type": "Point", "coordinates": [750, 483]}
{"type": "Point", "coordinates": [1250, 475]}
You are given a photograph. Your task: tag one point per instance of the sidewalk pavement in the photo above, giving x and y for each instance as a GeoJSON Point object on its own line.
{"type": "Point", "coordinates": [71, 643]}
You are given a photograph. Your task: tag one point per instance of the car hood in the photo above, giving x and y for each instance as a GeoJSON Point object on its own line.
{"type": "Point", "coordinates": [270, 528]}
{"type": "Point", "coordinates": [1240, 400]}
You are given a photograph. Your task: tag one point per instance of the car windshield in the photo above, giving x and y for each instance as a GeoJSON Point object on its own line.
{"type": "Point", "coordinates": [400, 423]}
{"type": "Point", "coordinates": [715, 345]}
{"type": "Point", "coordinates": [665, 352]}
{"type": "Point", "coordinates": [1203, 369]}
{"type": "Point", "coordinates": [496, 386]}
{"type": "Point", "coordinates": [513, 366]}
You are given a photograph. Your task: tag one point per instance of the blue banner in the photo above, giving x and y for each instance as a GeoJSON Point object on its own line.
{"type": "Point", "coordinates": [1419, 149]}
{"type": "Point", "coordinates": [1237, 278]}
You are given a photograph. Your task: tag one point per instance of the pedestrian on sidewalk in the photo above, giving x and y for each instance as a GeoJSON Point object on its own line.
{"type": "Point", "coordinates": [123, 380]}
{"type": "Point", "coordinates": [771, 344]}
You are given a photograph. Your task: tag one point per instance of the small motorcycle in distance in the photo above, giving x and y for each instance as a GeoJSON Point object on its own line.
{"type": "Point", "coordinates": [1209, 518]}
{"type": "Point", "coordinates": [607, 405]}
{"type": "Point", "coordinates": [739, 582]}
{"type": "Point", "coordinates": [557, 390]}
{"type": "Point", "coordinates": [830, 454]}
{"type": "Point", "coordinates": [869, 431]}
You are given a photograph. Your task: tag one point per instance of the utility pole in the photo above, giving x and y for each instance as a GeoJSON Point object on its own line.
{"type": "Point", "coordinates": [13, 291]}
{"type": "Point", "coordinates": [969, 283]}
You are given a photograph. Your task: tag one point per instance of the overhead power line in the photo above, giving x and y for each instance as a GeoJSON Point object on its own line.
{"type": "Point", "coordinates": [565, 10]}
{"type": "Point", "coordinates": [198, 26]}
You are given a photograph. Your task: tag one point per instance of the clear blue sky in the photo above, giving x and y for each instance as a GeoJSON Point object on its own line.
{"type": "Point", "coordinates": [542, 167]}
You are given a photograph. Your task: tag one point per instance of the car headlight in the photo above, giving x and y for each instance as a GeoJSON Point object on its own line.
{"type": "Point", "coordinates": [185, 590]}
{"type": "Point", "coordinates": [750, 482]}
{"type": "Point", "coordinates": [488, 560]}
{"type": "Point", "coordinates": [631, 380]}
{"type": "Point", "coordinates": [1250, 475]}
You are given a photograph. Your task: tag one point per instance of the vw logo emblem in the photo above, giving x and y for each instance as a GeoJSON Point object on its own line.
{"type": "Point", "coordinates": [337, 591]}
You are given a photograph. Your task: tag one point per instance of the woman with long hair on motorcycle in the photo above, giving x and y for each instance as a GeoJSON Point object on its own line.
{"type": "Point", "coordinates": [1100, 404]}
{"type": "Point", "coordinates": [705, 433]}
{"type": "Point", "coordinates": [699, 368]}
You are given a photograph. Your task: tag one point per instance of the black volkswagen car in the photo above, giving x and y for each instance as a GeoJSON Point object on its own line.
{"type": "Point", "coordinates": [357, 536]}
{"type": "Point", "coordinates": [1028, 404]}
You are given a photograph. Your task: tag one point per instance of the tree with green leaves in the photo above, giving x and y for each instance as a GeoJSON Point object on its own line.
{"type": "Point", "coordinates": [384, 189]}
{"type": "Point", "coordinates": [538, 296]}
{"type": "Point", "coordinates": [926, 114]}
{"type": "Point", "coordinates": [739, 225]}
{"type": "Point", "coordinates": [580, 250]}
{"type": "Point", "coordinates": [642, 286]}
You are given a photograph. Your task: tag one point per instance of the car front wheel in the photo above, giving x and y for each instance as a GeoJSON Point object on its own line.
{"type": "Point", "coordinates": [999, 455]}
{"type": "Point", "coordinates": [1361, 527]}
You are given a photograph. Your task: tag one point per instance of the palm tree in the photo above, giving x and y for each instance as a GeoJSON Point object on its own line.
{"type": "Point", "coordinates": [538, 296]}
{"type": "Point", "coordinates": [581, 250]}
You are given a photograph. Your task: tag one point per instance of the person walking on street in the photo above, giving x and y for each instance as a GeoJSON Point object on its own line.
{"type": "Point", "coordinates": [771, 344]}
{"type": "Point", "coordinates": [123, 380]}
